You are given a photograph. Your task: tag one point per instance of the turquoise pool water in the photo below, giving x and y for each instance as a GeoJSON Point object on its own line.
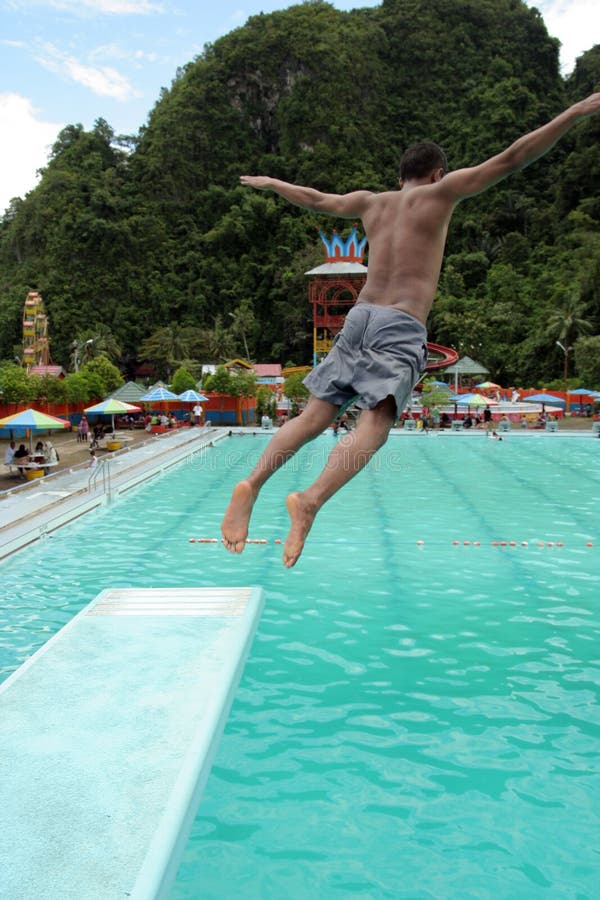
{"type": "Point", "coordinates": [414, 721]}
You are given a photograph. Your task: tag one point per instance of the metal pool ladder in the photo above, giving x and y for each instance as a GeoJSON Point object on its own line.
{"type": "Point", "coordinates": [102, 469]}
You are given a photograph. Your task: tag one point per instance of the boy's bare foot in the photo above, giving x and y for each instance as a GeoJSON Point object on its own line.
{"type": "Point", "coordinates": [234, 526]}
{"type": "Point", "coordinates": [302, 516]}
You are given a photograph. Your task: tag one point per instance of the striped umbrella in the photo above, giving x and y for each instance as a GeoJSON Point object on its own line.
{"type": "Point", "coordinates": [111, 407]}
{"type": "Point", "coordinates": [33, 420]}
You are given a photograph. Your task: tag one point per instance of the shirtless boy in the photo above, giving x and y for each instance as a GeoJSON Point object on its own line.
{"type": "Point", "coordinates": [381, 349]}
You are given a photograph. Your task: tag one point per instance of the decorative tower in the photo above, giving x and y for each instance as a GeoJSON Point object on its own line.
{"type": "Point", "coordinates": [334, 287]}
{"type": "Point", "coordinates": [36, 351]}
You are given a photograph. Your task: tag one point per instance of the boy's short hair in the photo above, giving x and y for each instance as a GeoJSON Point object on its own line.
{"type": "Point", "coordinates": [421, 159]}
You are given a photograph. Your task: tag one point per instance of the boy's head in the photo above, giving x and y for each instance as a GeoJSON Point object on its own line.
{"type": "Point", "coordinates": [422, 160]}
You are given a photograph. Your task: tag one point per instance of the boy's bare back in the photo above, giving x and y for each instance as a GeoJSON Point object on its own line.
{"type": "Point", "coordinates": [406, 231]}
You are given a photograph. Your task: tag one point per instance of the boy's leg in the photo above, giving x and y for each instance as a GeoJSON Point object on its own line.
{"type": "Point", "coordinates": [349, 456]}
{"type": "Point", "coordinates": [282, 446]}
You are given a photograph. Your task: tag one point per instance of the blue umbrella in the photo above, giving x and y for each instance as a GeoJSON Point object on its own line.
{"type": "Point", "coordinates": [158, 394]}
{"type": "Point", "coordinates": [192, 397]}
{"type": "Point", "coordinates": [582, 392]}
{"type": "Point", "coordinates": [551, 399]}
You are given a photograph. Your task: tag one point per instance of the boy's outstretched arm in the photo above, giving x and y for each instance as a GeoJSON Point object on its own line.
{"type": "Point", "coordinates": [525, 150]}
{"type": "Point", "coordinates": [343, 205]}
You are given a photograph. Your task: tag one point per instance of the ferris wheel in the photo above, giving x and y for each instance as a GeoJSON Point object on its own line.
{"type": "Point", "coordinates": [36, 349]}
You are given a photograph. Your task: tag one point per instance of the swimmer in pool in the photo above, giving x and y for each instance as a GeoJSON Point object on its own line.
{"type": "Point", "coordinates": [377, 357]}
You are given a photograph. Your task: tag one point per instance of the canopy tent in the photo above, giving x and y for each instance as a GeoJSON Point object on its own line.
{"type": "Point", "coordinates": [129, 392]}
{"type": "Point", "coordinates": [465, 366]}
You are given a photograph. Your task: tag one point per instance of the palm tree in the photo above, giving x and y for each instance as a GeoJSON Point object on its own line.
{"type": "Point", "coordinates": [566, 324]}
{"type": "Point", "coordinates": [568, 320]}
{"type": "Point", "coordinates": [89, 344]}
{"type": "Point", "coordinates": [105, 343]}
{"type": "Point", "coordinates": [243, 323]}
{"type": "Point", "coordinates": [170, 345]}
{"type": "Point", "coordinates": [217, 343]}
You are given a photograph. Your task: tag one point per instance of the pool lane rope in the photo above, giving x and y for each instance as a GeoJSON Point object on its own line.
{"type": "Point", "coordinates": [420, 543]}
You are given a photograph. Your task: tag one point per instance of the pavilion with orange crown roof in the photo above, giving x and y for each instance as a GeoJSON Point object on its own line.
{"type": "Point", "coordinates": [334, 287]}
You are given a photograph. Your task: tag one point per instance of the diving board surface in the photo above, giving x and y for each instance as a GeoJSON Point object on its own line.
{"type": "Point", "coordinates": [107, 735]}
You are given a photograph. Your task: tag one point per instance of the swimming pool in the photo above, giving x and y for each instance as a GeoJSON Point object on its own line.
{"type": "Point", "coordinates": [414, 720]}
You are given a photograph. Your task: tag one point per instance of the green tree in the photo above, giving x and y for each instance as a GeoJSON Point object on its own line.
{"type": "Point", "coordinates": [243, 324]}
{"type": "Point", "coordinates": [183, 380]}
{"type": "Point", "coordinates": [78, 388]}
{"type": "Point", "coordinates": [221, 381]}
{"type": "Point", "coordinates": [99, 341]}
{"type": "Point", "coordinates": [293, 387]}
{"type": "Point", "coordinates": [15, 385]}
{"type": "Point", "coordinates": [243, 385]}
{"type": "Point", "coordinates": [109, 377]}
{"type": "Point", "coordinates": [266, 404]}
{"type": "Point", "coordinates": [568, 321]}
{"type": "Point", "coordinates": [216, 343]}
{"type": "Point", "coordinates": [169, 345]}
{"type": "Point", "coordinates": [51, 389]}
{"type": "Point", "coordinates": [587, 360]}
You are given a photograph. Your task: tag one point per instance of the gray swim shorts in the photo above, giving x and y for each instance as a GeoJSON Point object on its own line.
{"type": "Point", "coordinates": [379, 352]}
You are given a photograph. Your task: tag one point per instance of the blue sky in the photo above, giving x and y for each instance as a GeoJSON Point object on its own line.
{"type": "Point", "coordinates": [73, 61]}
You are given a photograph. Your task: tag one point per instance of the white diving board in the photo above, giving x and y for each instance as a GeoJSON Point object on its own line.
{"type": "Point", "coordinates": [107, 736]}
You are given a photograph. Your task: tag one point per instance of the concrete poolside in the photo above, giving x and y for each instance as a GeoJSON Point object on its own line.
{"type": "Point", "coordinates": [30, 510]}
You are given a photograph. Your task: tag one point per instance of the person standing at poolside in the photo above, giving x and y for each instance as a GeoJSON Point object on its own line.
{"type": "Point", "coordinates": [9, 454]}
{"type": "Point", "coordinates": [382, 347]}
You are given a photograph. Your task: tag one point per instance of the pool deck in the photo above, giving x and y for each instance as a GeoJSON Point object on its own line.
{"type": "Point", "coordinates": [108, 735]}
{"type": "Point", "coordinates": [29, 511]}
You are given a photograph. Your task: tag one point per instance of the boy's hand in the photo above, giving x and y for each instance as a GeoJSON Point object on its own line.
{"type": "Point", "coordinates": [261, 182]}
{"type": "Point", "coordinates": [590, 105]}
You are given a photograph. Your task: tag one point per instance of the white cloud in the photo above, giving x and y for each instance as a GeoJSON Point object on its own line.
{"type": "Point", "coordinates": [115, 51]}
{"type": "Point", "coordinates": [576, 23]}
{"type": "Point", "coordinates": [101, 80]}
{"type": "Point", "coordinates": [109, 7]}
{"type": "Point", "coordinates": [25, 145]}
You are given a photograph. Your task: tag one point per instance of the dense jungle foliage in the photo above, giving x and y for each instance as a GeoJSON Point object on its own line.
{"type": "Point", "coordinates": [152, 237]}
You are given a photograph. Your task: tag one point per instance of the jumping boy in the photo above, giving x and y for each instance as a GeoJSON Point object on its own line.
{"type": "Point", "coordinates": [377, 357]}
